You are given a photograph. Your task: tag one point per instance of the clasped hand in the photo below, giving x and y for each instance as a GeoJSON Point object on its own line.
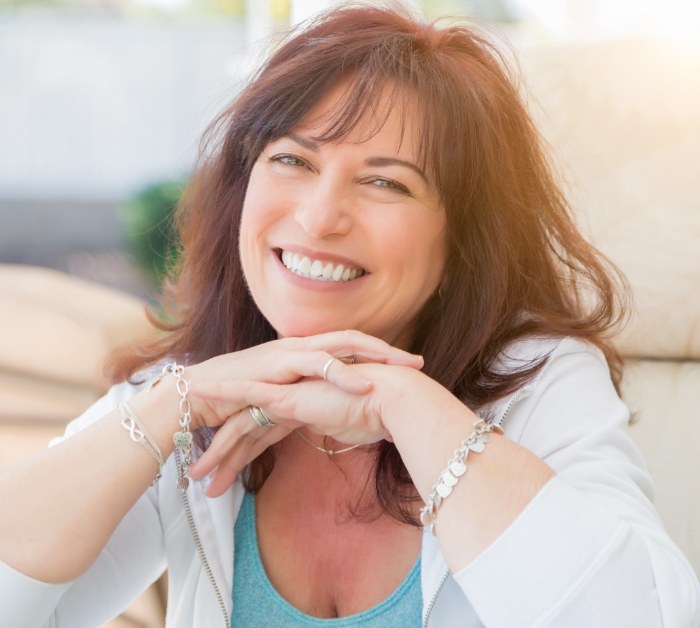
{"type": "Point", "coordinates": [285, 378]}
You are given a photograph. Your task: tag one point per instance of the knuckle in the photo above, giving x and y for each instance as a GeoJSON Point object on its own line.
{"type": "Point", "coordinates": [290, 342]}
{"type": "Point", "coordinates": [289, 404]}
{"type": "Point", "coordinates": [321, 357]}
{"type": "Point", "coordinates": [350, 336]}
{"type": "Point", "coordinates": [285, 342]}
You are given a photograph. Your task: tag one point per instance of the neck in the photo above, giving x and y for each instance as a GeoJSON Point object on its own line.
{"type": "Point", "coordinates": [309, 476]}
{"type": "Point", "coordinates": [325, 444]}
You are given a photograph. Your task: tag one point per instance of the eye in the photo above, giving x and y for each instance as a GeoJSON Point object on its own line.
{"type": "Point", "coordinates": [289, 160]}
{"type": "Point", "coordinates": [388, 184]}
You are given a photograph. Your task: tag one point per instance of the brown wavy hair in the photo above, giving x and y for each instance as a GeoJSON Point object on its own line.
{"type": "Point", "coordinates": [516, 264]}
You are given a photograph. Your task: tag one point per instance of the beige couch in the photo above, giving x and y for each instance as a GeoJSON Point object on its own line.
{"type": "Point", "coordinates": [624, 122]}
{"type": "Point", "coordinates": [55, 331]}
{"type": "Point", "coordinates": [623, 119]}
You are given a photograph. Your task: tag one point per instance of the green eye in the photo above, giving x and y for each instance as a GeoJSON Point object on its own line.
{"type": "Point", "coordinates": [289, 160]}
{"type": "Point", "coordinates": [389, 184]}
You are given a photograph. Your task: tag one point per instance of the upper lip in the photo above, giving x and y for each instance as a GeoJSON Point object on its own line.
{"type": "Point", "coordinates": [333, 258]}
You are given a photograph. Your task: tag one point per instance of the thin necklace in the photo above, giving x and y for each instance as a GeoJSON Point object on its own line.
{"type": "Point", "coordinates": [329, 452]}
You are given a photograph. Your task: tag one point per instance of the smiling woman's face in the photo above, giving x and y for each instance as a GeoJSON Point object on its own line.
{"type": "Point", "coordinates": [342, 235]}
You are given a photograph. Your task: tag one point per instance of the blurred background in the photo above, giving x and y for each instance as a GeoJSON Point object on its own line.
{"type": "Point", "coordinates": [102, 103]}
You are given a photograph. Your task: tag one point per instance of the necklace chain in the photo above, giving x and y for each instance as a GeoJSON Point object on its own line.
{"type": "Point", "coordinates": [329, 452]}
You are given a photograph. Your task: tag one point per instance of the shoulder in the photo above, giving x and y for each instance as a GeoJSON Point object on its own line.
{"type": "Point", "coordinates": [533, 349]}
{"type": "Point", "coordinates": [572, 392]}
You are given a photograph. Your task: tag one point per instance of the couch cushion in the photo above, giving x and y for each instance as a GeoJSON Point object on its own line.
{"type": "Point", "coordinates": [625, 120]}
{"type": "Point", "coordinates": [43, 312]}
{"type": "Point", "coordinates": [55, 331]}
{"type": "Point", "coordinates": [665, 397]}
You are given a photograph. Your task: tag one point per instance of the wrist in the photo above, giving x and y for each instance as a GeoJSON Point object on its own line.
{"type": "Point", "coordinates": [390, 383]}
{"type": "Point", "coordinates": [159, 410]}
{"type": "Point", "coordinates": [411, 401]}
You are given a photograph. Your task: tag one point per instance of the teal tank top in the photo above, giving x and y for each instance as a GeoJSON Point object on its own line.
{"type": "Point", "coordinates": [257, 604]}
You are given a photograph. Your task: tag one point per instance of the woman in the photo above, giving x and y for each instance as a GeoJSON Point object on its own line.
{"type": "Point", "coordinates": [380, 176]}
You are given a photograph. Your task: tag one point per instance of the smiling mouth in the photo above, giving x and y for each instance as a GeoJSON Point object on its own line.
{"type": "Point", "coordinates": [318, 270]}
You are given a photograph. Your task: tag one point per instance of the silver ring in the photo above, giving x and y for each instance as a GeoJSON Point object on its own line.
{"type": "Point", "coordinates": [326, 366]}
{"type": "Point", "coordinates": [260, 417]}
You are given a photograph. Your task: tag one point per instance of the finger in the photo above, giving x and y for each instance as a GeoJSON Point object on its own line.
{"type": "Point", "coordinates": [337, 372]}
{"type": "Point", "coordinates": [277, 399]}
{"type": "Point", "coordinates": [323, 365]}
{"type": "Point", "coordinates": [298, 365]}
{"type": "Point", "coordinates": [310, 401]}
{"type": "Point", "coordinates": [246, 451]}
{"type": "Point", "coordinates": [240, 428]}
{"type": "Point", "coordinates": [223, 442]}
{"type": "Point", "coordinates": [351, 342]}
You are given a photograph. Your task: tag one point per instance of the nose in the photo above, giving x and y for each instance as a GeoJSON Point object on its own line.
{"type": "Point", "coordinates": [324, 210]}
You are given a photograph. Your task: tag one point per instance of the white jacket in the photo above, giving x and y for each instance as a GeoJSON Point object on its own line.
{"type": "Point", "coordinates": [589, 550]}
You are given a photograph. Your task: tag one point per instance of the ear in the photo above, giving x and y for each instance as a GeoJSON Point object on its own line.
{"type": "Point", "coordinates": [442, 287]}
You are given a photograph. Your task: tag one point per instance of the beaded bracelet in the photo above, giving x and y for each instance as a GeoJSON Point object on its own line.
{"type": "Point", "coordinates": [456, 468]}
{"type": "Point", "coordinates": [183, 438]}
{"type": "Point", "coordinates": [139, 434]}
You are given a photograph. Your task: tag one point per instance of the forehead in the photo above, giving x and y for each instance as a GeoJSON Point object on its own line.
{"type": "Point", "coordinates": [390, 117]}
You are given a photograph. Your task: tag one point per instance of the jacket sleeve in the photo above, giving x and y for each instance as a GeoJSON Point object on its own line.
{"type": "Point", "coordinates": [589, 550]}
{"type": "Point", "coordinates": [133, 558]}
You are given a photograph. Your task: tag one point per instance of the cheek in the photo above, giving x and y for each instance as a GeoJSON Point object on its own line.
{"type": "Point", "coordinates": [249, 235]}
{"type": "Point", "coordinates": [436, 247]}
{"type": "Point", "coordinates": [260, 209]}
{"type": "Point", "coordinates": [420, 248]}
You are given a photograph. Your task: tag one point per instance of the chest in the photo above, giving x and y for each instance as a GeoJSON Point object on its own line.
{"type": "Point", "coordinates": [326, 562]}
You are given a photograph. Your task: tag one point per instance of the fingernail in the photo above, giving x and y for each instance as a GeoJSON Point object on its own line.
{"type": "Point", "coordinates": [414, 357]}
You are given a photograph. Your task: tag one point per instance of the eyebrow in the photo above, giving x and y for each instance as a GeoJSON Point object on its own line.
{"type": "Point", "coordinates": [304, 142]}
{"type": "Point", "coordinates": [393, 161]}
{"type": "Point", "coordinates": [371, 161]}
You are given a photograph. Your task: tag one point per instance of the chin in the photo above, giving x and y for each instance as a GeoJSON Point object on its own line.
{"type": "Point", "coordinates": [299, 328]}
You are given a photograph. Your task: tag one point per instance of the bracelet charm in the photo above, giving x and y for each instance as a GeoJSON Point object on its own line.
{"type": "Point", "coordinates": [182, 439]}
{"type": "Point", "coordinates": [456, 468]}
{"type": "Point", "coordinates": [139, 434]}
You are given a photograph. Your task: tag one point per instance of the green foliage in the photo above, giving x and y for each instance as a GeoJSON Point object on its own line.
{"type": "Point", "coordinates": [235, 8]}
{"type": "Point", "coordinates": [149, 228]}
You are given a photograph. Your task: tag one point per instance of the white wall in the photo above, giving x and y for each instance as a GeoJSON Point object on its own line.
{"type": "Point", "coordinates": [97, 106]}
{"type": "Point", "coordinates": [593, 20]}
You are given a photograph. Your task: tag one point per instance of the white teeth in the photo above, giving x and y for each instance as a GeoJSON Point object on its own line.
{"type": "Point", "coordinates": [317, 269]}
{"type": "Point", "coordinates": [304, 267]}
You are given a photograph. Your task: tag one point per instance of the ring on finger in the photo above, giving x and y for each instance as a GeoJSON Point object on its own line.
{"type": "Point", "coordinates": [327, 366]}
{"type": "Point", "coordinates": [260, 417]}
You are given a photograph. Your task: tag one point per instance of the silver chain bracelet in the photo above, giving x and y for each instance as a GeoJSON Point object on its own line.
{"type": "Point", "coordinates": [139, 434]}
{"type": "Point", "coordinates": [456, 468]}
{"type": "Point", "coordinates": [183, 438]}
